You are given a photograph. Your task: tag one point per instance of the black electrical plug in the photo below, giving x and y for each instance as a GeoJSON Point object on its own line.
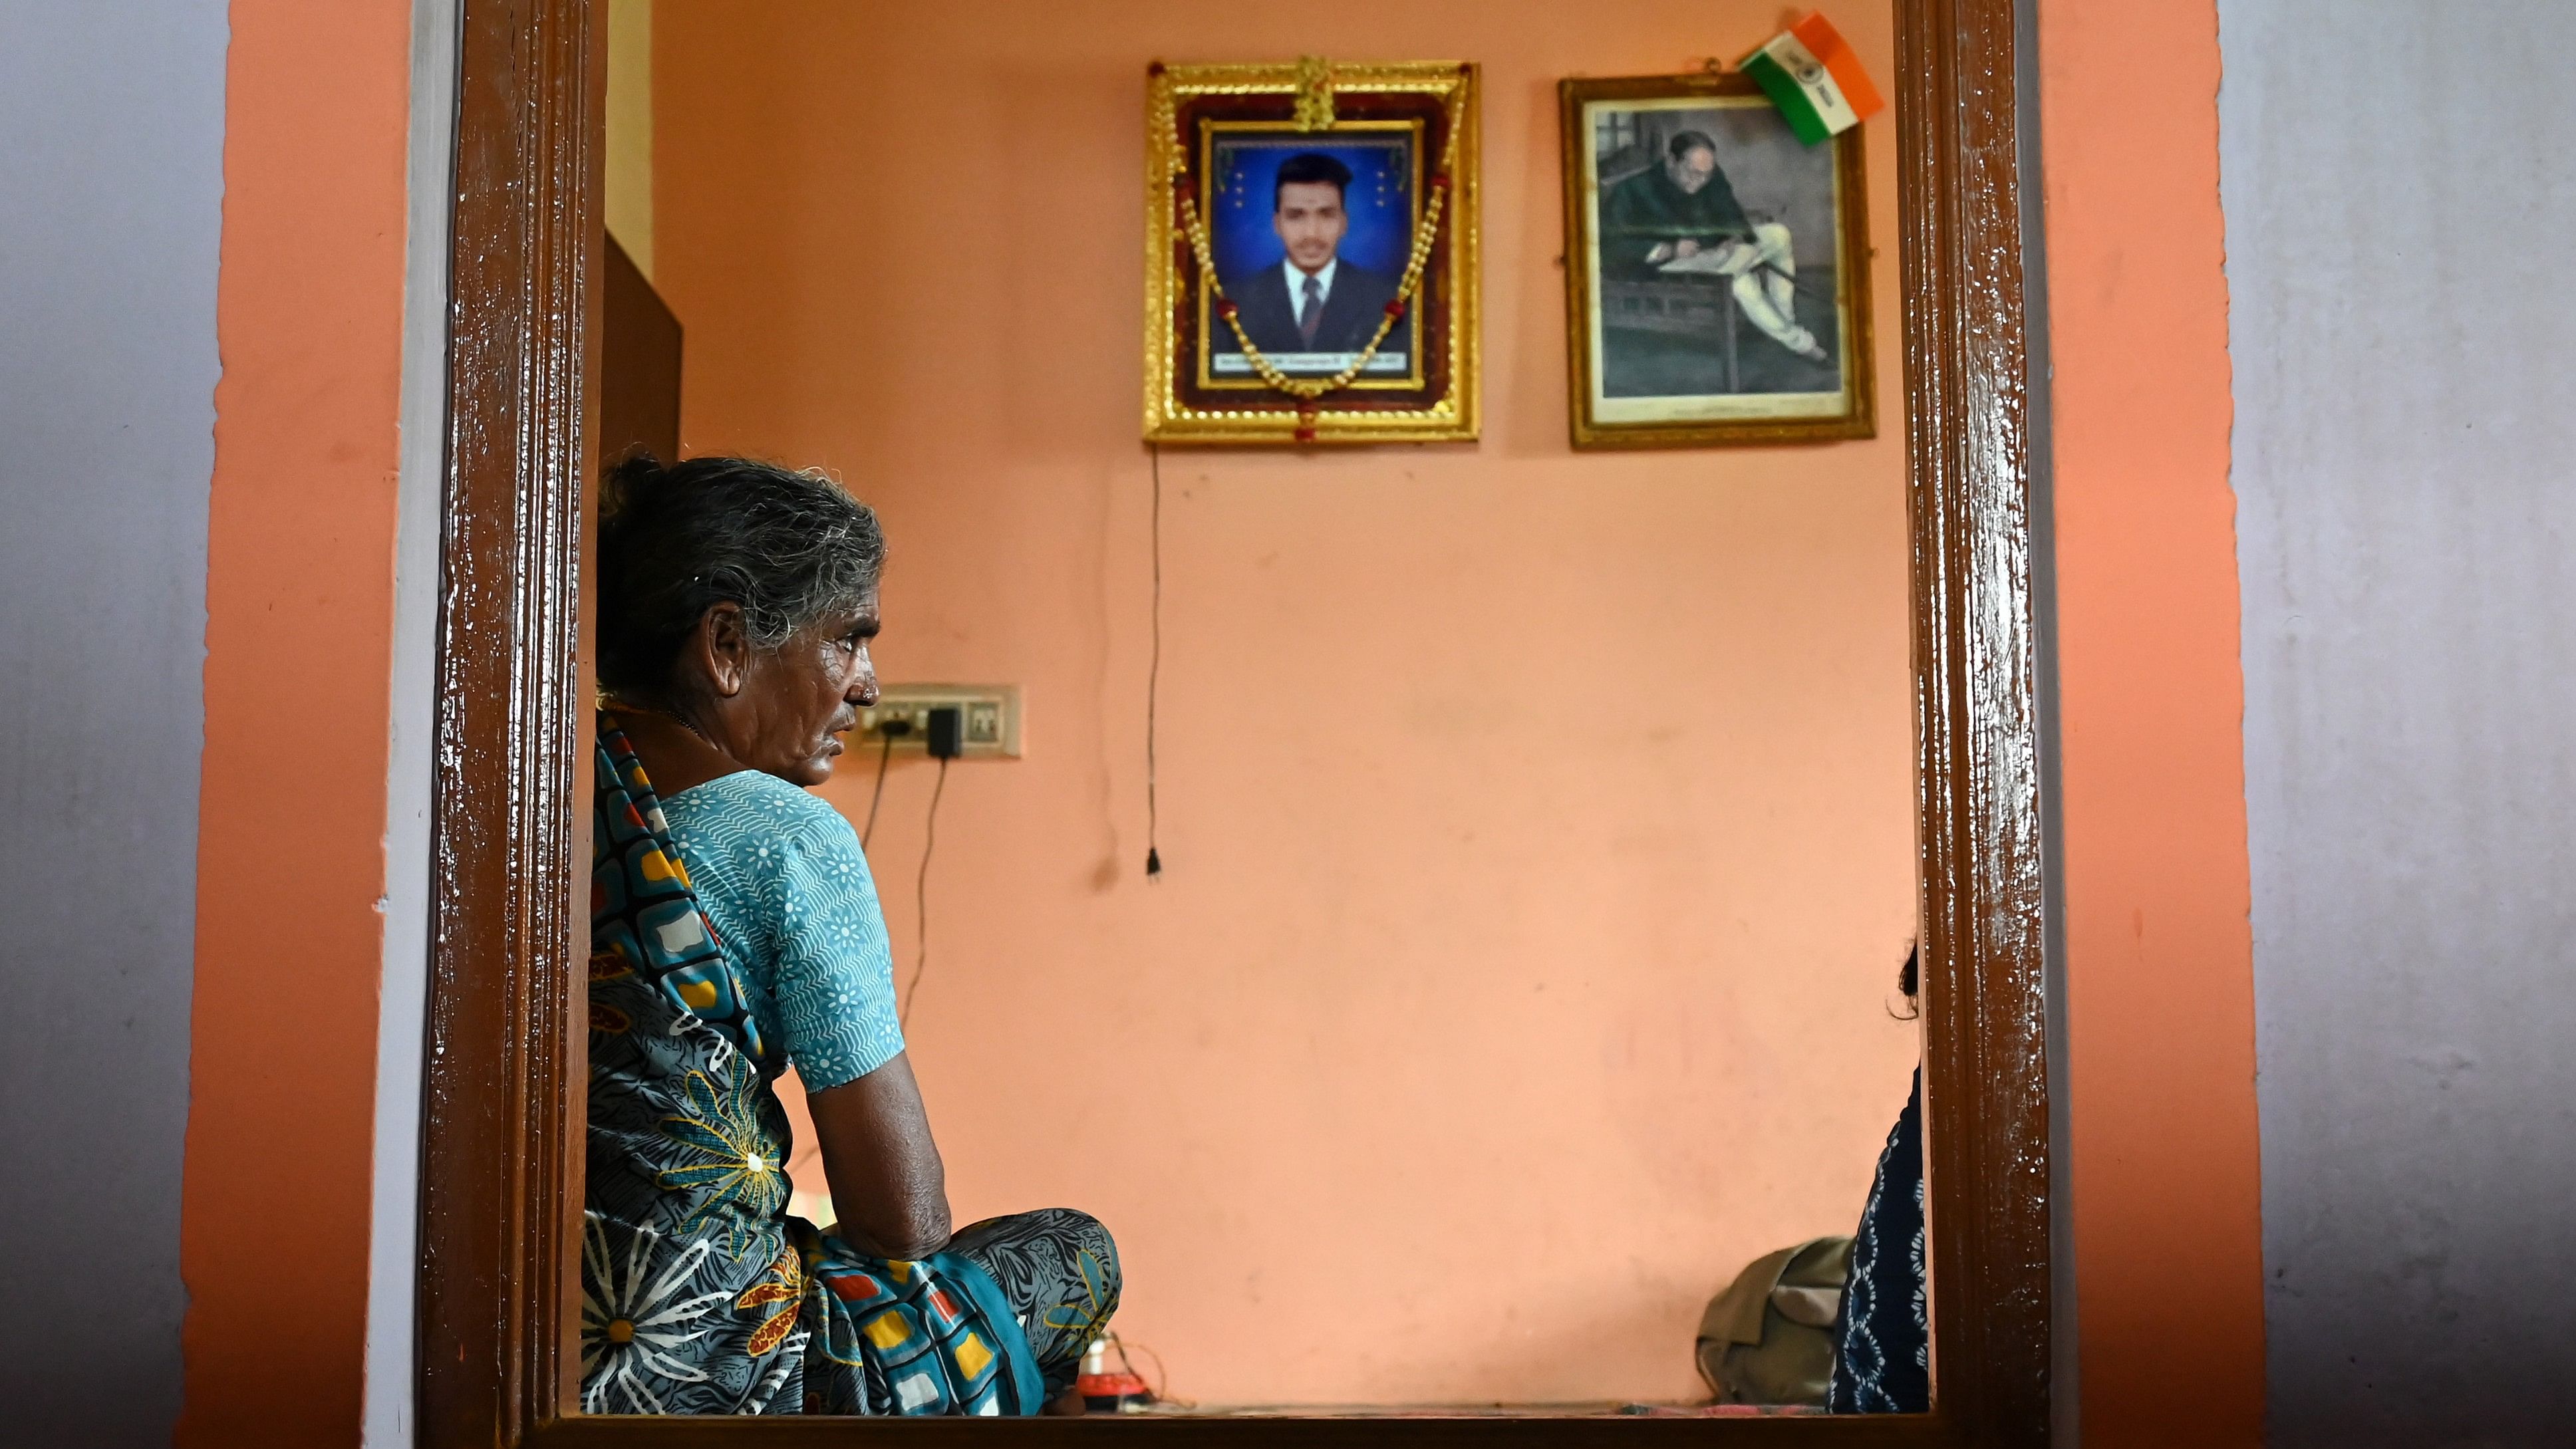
{"type": "Point", "coordinates": [894, 727]}
{"type": "Point", "coordinates": [947, 736]}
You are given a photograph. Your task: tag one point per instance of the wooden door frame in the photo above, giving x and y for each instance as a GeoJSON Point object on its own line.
{"type": "Point", "coordinates": [499, 1298]}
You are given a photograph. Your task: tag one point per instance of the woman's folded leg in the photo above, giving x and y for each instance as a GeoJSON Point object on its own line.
{"type": "Point", "coordinates": [1059, 1270]}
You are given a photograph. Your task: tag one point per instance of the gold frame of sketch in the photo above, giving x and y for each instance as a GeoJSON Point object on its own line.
{"type": "Point", "coordinates": [1171, 273]}
{"type": "Point", "coordinates": [1859, 415]}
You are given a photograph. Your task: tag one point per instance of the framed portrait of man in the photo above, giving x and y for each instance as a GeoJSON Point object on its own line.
{"type": "Point", "coordinates": [1311, 245]}
{"type": "Point", "coordinates": [1717, 269]}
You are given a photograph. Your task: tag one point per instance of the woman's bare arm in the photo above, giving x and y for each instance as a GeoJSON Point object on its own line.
{"type": "Point", "coordinates": [887, 1181]}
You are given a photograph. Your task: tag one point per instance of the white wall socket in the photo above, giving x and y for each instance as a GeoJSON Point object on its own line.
{"type": "Point", "coordinates": [989, 718]}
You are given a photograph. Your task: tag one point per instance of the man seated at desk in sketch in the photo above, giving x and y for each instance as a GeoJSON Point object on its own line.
{"type": "Point", "coordinates": [1681, 216]}
{"type": "Point", "coordinates": [1314, 301]}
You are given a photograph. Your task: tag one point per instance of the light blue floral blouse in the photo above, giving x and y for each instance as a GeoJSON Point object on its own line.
{"type": "Point", "coordinates": [781, 878]}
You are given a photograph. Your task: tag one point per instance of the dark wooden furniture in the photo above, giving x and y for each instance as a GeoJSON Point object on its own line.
{"type": "Point", "coordinates": [639, 362]}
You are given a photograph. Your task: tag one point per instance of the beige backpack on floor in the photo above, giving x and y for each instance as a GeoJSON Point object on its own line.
{"type": "Point", "coordinates": [1769, 1338]}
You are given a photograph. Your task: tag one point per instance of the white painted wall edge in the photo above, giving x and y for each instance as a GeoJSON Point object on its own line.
{"type": "Point", "coordinates": [394, 1232]}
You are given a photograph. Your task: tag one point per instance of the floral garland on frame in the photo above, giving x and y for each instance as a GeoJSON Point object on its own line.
{"type": "Point", "coordinates": [1425, 237]}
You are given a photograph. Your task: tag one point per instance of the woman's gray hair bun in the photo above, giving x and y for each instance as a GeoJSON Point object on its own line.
{"type": "Point", "coordinates": [788, 547]}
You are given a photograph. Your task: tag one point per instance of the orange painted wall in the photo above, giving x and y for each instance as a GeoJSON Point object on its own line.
{"type": "Point", "coordinates": [2167, 1194]}
{"type": "Point", "coordinates": [1539, 828]}
{"type": "Point", "coordinates": [299, 600]}
{"type": "Point", "coordinates": [299, 597]}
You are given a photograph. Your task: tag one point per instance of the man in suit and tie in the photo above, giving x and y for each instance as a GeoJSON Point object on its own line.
{"type": "Point", "coordinates": [1313, 301]}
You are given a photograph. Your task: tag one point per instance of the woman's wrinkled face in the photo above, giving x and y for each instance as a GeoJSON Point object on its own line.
{"type": "Point", "coordinates": [806, 694]}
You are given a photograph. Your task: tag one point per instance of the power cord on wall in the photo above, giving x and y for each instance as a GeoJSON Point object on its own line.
{"type": "Point", "coordinates": [1154, 677]}
{"type": "Point", "coordinates": [891, 729]}
{"type": "Point", "coordinates": [945, 741]}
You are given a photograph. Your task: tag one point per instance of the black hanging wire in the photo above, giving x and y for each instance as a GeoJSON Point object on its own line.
{"type": "Point", "coordinates": [876, 797]}
{"type": "Point", "coordinates": [1154, 676]}
{"type": "Point", "coordinates": [921, 900]}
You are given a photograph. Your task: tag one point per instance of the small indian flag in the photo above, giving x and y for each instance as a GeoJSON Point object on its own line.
{"type": "Point", "coordinates": [1809, 71]}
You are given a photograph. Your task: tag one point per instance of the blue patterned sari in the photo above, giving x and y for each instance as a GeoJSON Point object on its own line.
{"type": "Point", "coordinates": [1883, 1330]}
{"type": "Point", "coordinates": [699, 1294]}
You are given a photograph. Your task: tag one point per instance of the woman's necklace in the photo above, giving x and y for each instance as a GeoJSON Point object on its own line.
{"type": "Point", "coordinates": [684, 723]}
{"type": "Point", "coordinates": [675, 717]}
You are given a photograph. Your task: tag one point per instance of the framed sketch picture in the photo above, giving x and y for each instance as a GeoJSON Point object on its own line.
{"type": "Point", "coordinates": [1310, 266]}
{"type": "Point", "coordinates": [1717, 269]}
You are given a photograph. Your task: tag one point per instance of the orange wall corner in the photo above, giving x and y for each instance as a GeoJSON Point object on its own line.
{"type": "Point", "coordinates": [1413, 933]}
{"type": "Point", "coordinates": [299, 602]}
{"type": "Point", "coordinates": [2167, 1192]}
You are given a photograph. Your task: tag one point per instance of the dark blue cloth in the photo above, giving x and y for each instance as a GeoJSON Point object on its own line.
{"type": "Point", "coordinates": [1882, 1332]}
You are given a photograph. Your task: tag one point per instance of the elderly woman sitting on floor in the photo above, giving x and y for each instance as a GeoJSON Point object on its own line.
{"type": "Point", "coordinates": [734, 933]}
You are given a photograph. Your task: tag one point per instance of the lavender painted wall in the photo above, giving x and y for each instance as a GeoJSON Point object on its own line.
{"type": "Point", "coordinates": [2400, 186]}
{"type": "Point", "coordinates": [111, 191]}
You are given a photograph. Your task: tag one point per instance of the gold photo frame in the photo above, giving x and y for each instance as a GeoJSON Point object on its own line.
{"type": "Point", "coordinates": [1353, 184]}
{"type": "Point", "coordinates": [1717, 269]}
